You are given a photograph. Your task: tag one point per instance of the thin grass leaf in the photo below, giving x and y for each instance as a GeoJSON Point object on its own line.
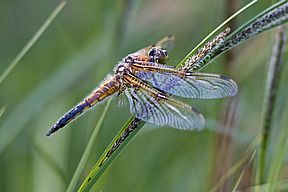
{"type": "Point", "coordinates": [105, 161]}
{"type": "Point", "coordinates": [181, 64]}
{"type": "Point", "coordinates": [32, 41]}
{"type": "Point", "coordinates": [242, 172]}
{"type": "Point", "coordinates": [279, 186]}
{"type": "Point", "coordinates": [250, 151]}
{"type": "Point", "coordinates": [90, 144]}
{"type": "Point", "coordinates": [2, 110]}
{"type": "Point", "coordinates": [282, 145]}
{"type": "Point", "coordinates": [270, 18]}
{"type": "Point", "coordinates": [281, 150]}
{"type": "Point", "coordinates": [272, 84]}
{"type": "Point", "coordinates": [238, 181]}
{"type": "Point", "coordinates": [230, 172]}
{"type": "Point", "coordinates": [107, 157]}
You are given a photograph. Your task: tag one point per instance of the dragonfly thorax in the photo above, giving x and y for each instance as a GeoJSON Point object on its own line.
{"type": "Point", "coordinates": [123, 67]}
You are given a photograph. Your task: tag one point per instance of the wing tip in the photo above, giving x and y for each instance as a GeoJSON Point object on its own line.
{"type": "Point", "coordinates": [234, 86]}
{"type": "Point", "coordinates": [225, 77]}
{"type": "Point", "coordinates": [201, 120]}
{"type": "Point", "coordinates": [196, 111]}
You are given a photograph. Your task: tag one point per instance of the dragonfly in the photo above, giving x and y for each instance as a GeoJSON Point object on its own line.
{"type": "Point", "coordinates": [149, 87]}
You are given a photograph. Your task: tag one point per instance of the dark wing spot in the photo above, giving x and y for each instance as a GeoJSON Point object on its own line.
{"type": "Point", "coordinates": [224, 77]}
{"type": "Point", "coordinates": [195, 110]}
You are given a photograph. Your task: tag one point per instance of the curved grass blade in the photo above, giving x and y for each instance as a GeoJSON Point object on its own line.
{"type": "Point", "coordinates": [242, 172]}
{"type": "Point", "coordinates": [279, 186]}
{"type": "Point", "coordinates": [275, 169]}
{"type": "Point", "coordinates": [272, 84]}
{"type": "Point", "coordinates": [2, 110]}
{"type": "Point", "coordinates": [251, 151]}
{"type": "Point", "coordinates": [270, 18]}
{"type": "Point", "coordinates": [181, 64]}
{"type": "Point", "coordinates": [120, 141]}
{"type": "Point", "coordinates": [32, 41]}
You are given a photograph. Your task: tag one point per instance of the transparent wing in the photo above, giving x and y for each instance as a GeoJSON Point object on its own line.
{"type": "Point", "coordinates": [164, 111]}
{"type": "Point", "coordinates": [193, 85]}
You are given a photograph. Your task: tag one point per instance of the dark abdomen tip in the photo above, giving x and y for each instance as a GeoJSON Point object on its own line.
{"type": "Point", "coordinates": [64, 120]}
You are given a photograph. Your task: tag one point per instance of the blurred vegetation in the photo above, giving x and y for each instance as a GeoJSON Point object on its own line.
{"type": "Point", "coordinates": [78, 50]}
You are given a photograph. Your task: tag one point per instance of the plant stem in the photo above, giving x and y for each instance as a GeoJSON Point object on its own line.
{"type": "Point", "coordinates": [272, 84]}
{"type": "Point", "coordinates": [84, 158]}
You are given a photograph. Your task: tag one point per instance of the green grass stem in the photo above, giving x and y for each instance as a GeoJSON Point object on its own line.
{"type": "Point", "coordinates": [272, 84]}
{"type": "Point", "coordinates": [88, 149]}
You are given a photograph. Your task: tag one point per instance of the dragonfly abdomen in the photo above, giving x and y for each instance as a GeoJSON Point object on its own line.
{"type": "Point", "coordinates": [69, 116]}
{"type": "Point", "coordinates": [107, 88]}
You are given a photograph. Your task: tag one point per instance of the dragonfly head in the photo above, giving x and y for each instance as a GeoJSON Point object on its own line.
{"type": "Point", "coordinates": [158, 55]}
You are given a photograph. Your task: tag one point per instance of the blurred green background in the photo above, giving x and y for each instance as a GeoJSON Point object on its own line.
{"type": "Point", "coordinates": [79, 49]}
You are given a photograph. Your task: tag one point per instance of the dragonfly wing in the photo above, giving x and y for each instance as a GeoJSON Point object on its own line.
{"type": "Point", "coordinates": [164, 111]}
{"type": "Point", "coordinates": [194, 85]}
{"type": "Point", "coordinates": [212, 85]}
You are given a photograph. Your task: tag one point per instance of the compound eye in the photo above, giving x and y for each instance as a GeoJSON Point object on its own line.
{"type": "Point", "coordinates": [165, 52]}
{"type": "Point", "coordinates": [158, 55]}
{"type": "Point", "coordinates": [162, 56]}
{"type": "Point", "coordinates": [152, 52]}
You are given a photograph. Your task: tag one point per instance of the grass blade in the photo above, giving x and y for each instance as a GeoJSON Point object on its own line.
{"type": "Point", "coordinates": [272, 84]}
{"type": "Point", "coordinates": [32, 41]}
{"type": "Point", "coordinates": [251, 151]}
{"type": "Point", "coordinates": [270, 18]}
{"type": "Point", "coordinates": [84, 158]}
{"type": "Point", "coordinates": [214, 32]}
{"type": "Point", "coordinates": [242, 172]}
{"type": "Point", "coordinates": [2, 110]}
{"type": "Point", "coordinates": [281, 147]}
{"type": "Point", "coordinates": [105, 160]}
{"type": "Point", "coordinates": [279, 186]}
